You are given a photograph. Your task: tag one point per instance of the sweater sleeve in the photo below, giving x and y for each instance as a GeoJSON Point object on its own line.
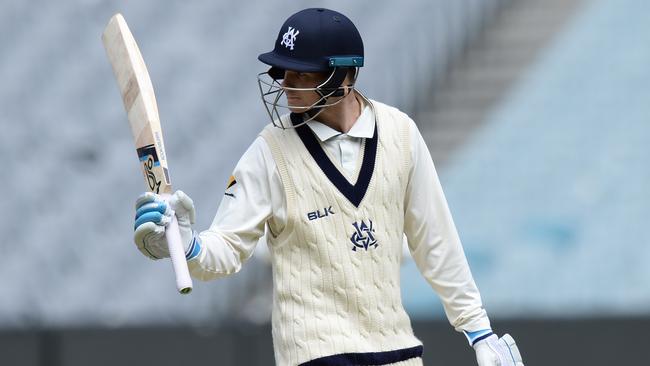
{"type": "Point", "coordinates": [434, 242]}
{"type": "Point", "coordinates": [253, 194]}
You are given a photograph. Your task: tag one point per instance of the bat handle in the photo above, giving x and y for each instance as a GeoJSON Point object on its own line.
{"type": "Point", "coordinates": [177, 254]}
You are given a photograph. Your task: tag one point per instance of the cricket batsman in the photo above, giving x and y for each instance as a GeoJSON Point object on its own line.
{"type": "Point", "coordinates": [337, 183]}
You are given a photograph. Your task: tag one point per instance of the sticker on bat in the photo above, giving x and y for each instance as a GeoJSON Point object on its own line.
{"type": "Point", "coordinates": [149, 159]}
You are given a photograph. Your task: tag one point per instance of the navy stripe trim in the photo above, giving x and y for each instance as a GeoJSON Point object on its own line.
{"type": "Point", "coordinates": [481, 338]}
{"type": "Point", "coordinates": [354, 193]}
{"type": "Point", "coordinates": [368, 358]}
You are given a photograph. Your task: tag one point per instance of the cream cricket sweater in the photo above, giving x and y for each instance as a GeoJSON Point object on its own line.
{"type": "Point", "coordinates": [336, 263]}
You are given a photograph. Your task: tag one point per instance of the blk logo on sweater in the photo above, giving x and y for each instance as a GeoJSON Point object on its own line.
{"type": "Point", "coordinates": [318, 215]}
{"type": "Point", "coordinates": [363, 237]}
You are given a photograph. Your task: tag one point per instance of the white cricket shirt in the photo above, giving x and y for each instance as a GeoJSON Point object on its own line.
{"type": "Point", "coordinates": [258, 196]}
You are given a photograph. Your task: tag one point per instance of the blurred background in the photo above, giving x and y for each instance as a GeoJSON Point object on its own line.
{"type": "Point", "coordinates": [537, 115]}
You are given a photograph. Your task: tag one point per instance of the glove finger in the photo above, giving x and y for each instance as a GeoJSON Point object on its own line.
{"type": "Point", "coordinates": [183, 205]}
{"type": "Point", "coordinates": [150, 240]}
{"type": "Point", "coordinates": [145, 198]}
{"type": "Point", "coordinates": [156, 206]}
{"type": "Point", "coordinates": [153, 217]}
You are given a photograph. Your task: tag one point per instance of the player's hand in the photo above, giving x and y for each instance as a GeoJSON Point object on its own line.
{"type": "Point", "coordinates": [493, 351]}
{"type": "Point", "coordinates": [154, 213]}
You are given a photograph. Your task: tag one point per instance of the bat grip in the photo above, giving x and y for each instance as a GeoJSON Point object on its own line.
{"type": "Point", "coordinates": [177, 255]}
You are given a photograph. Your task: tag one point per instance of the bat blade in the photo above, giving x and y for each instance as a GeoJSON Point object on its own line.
{"type": "Point", "coordinates": [140, 104]}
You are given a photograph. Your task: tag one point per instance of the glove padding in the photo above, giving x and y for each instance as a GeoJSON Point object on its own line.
{"type": "Point", "coordinates": [493, 351]}
{"type": "Point", "coordinates": [153, 213]}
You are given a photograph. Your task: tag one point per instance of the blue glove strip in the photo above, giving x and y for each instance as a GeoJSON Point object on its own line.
{"type": "Point", "coordinates": [159, 207]}
{"type": "Point", "coordinates": [194, 249]}
{"type": "Point", "coordinates": [476, 336]}
{"type": "Point", "coordinates": [155, 217]}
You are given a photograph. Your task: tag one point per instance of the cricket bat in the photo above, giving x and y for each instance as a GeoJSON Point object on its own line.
{"type": "Point", "coordinates": [140, 104]}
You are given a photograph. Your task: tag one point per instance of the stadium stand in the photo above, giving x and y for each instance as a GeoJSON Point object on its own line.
{"type": "Point", "coordinates": [550, 193]}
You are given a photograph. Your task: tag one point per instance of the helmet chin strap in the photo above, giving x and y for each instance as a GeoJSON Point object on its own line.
{"type": "Point", "coordinates": [329, 88]}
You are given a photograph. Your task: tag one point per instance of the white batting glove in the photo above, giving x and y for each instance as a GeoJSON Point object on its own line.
{"type": "Point", "coordinates": [493, 351]}
{"type": "Point", "coordinates": [153, 214]}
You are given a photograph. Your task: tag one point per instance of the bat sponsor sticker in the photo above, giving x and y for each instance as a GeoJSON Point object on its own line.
{"type": "Point", "coordinates": [149, 159]}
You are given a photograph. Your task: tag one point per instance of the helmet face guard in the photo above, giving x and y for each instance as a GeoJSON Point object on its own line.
{"type": "Point", "coordinates": [272, 91]}
{"type": "Point", "coordinates": [310, 41]}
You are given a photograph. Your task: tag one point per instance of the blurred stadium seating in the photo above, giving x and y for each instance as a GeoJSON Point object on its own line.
{"type": "Point", "coordinates": [551, 193]}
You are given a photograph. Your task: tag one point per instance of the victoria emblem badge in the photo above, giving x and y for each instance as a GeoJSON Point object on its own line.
{"type": "Point", "coordinates": [363, 237]}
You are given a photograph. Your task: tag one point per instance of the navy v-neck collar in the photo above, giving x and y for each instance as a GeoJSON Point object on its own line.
{"type": "Point", "coordinates": [354, 193]}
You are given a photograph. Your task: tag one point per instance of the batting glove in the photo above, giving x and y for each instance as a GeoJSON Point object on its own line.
{"type": "Point", "coordinates": [493, 351]}
{"type": "Point", "coordinates": [154, 213]}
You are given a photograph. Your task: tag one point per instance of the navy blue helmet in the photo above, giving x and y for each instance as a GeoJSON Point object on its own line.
{"type": "Point", "coordinates": [315, 40]}
{"type": "Point", "coordinates": [312, 40]}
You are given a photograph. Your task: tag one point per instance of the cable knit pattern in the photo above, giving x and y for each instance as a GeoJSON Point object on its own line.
{"type": "Point", "coordinates": [328, 298]}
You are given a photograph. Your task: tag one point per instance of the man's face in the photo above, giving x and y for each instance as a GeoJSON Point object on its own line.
{"type": "Point", "coordinates": [302, 98]}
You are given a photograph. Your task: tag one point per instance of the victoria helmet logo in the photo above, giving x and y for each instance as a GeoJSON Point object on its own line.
{"type": "Point", "coordinates": [363, 237]}
{"type": "Point", "coordinates": [289, 38]}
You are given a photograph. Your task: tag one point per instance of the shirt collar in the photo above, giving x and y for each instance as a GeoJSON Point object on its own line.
{"type": "Point", "coordinates": [364, 127]}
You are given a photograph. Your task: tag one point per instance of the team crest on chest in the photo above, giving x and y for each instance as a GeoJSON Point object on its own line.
{"type": "Point", "coordinates": [363, 236]}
